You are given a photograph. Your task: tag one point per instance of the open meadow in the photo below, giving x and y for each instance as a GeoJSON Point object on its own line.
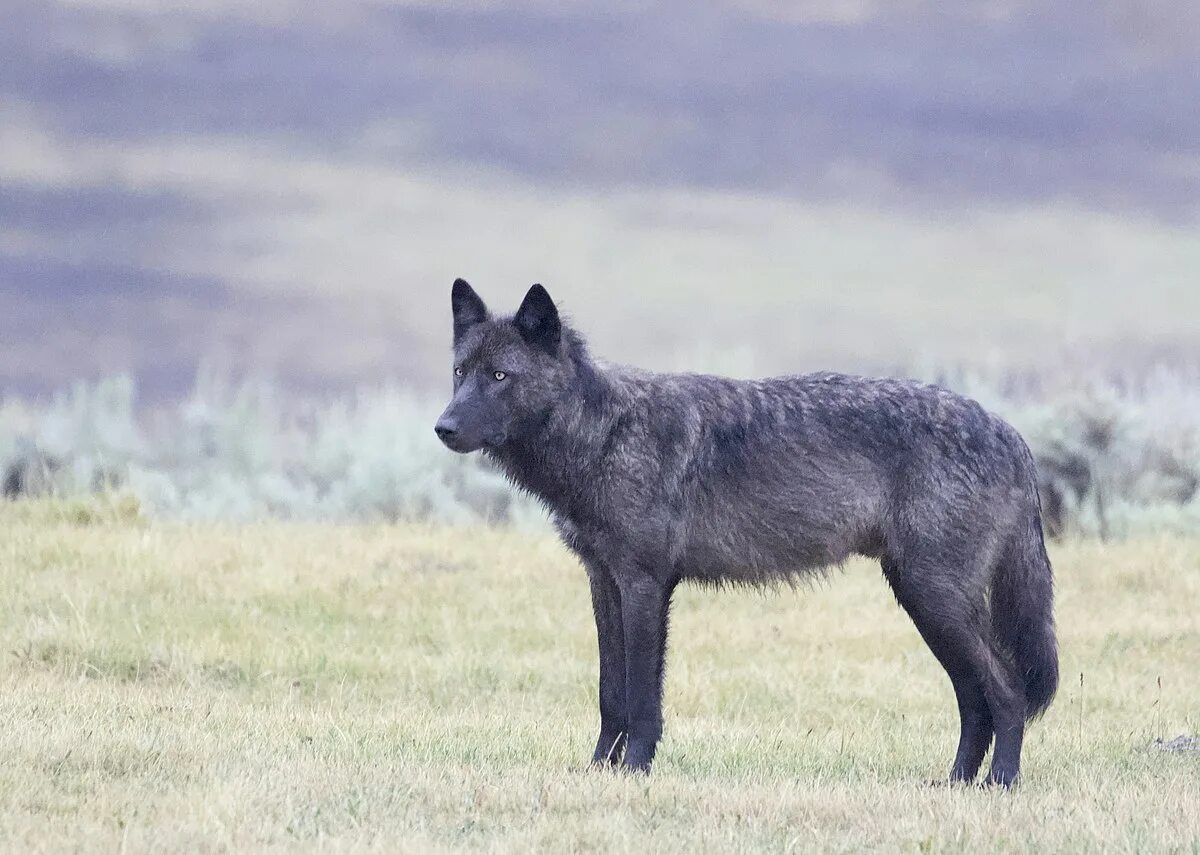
{"type": "Point", "coordinates": [251, 602]}
{"type": "Point", "coordinates": [277, 686]}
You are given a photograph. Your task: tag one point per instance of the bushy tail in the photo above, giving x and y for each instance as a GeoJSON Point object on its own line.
{"type": "Point", "coordinates": [1023, 614]}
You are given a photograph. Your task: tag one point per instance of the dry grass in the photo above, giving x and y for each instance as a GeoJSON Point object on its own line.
{"type": "Point", "coordinates": [409, 688]}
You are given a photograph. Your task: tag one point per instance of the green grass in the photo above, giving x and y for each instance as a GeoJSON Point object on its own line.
{"type": "Point", "coordinates": [285, 687]}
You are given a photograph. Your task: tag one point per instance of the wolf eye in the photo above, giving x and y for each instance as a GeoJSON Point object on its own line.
{"type": "Point", "coordinates": [458, 372]}
{"type": "Point", "coordinates": [499, 375]}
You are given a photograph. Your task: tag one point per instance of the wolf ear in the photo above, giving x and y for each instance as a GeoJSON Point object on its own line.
{"type": "Point", "coordinates": [468, 308]}
{"type": "Point", "coordinates": [537, 320]}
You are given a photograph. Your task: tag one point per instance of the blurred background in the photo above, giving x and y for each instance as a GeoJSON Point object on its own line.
{"type": "Point", "coordinates": [228, 230]}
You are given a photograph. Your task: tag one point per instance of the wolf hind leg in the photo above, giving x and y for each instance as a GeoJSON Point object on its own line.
{"type": "Point", "coordinates": [951, 618]}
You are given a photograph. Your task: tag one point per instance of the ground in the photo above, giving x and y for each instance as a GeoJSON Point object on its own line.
{"type": "Point", "coordinates": [286, 687]}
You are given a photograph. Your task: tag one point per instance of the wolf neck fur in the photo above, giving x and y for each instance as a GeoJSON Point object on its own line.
{"type": "Point", "coordinates": [555, 460]}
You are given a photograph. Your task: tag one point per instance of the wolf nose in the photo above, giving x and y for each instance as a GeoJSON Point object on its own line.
{"type": "Point", "coordinates": [445, 430]}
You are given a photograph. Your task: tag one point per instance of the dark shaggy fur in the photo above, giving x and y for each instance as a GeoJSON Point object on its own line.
{"type": "Point", "coordinates": [653, 479]}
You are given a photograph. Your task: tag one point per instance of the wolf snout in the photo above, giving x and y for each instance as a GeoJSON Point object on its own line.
{"type": "Point", "coordinates": [447, 431]}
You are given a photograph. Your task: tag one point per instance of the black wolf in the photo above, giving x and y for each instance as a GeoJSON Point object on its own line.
{"type": "Point", "coordinates": [653, 479]}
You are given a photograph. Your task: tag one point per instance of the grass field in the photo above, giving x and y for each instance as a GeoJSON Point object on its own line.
{"type": "Point", "coordinates": [284, 687]}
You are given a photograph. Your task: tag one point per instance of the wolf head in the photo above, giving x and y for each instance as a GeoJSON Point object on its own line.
{"type": "Point", "coordinates": [508, 372]}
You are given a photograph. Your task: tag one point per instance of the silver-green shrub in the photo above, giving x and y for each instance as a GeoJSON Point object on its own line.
{"type": "Point", "coordinates": [1115, 458]}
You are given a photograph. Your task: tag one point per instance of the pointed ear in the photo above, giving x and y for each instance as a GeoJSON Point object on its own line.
{"type": "Point", "coordinates": [468, 308]}
{"type": "Point", "coordinates": [537, 320]}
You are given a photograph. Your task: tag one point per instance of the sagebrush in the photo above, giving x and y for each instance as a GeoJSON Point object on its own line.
{"type": "Point", "coordinates": [1115, 458]}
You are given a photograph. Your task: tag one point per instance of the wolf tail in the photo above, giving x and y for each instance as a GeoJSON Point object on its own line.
{"type": "Point", "coordinates": [1022, 606]}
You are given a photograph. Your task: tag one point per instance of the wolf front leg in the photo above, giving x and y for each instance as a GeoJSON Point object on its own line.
{"type": "Point", "coordinates": [610, 633]}
{"type": "Point", "coordinates": [645, 603]}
